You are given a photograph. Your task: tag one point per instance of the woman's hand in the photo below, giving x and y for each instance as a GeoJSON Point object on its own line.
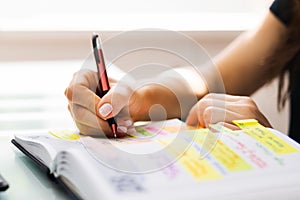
{"type": "Point", "coordinates": [83, 104]}
{"type": "Point", "coordinates": [124, 102]}
{"type": "Point", "coordinates": [214, 108]}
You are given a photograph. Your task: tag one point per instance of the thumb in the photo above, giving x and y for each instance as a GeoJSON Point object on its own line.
{"type": "Point", "coordinates": [113, 102]}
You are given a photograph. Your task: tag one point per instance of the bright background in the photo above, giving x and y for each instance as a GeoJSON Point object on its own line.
{"type": "Point", "coordinates": [58, 15]}
{"type": "Point", "coordinates": [43, 42]}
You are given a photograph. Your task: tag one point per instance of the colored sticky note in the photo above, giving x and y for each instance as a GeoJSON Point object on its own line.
{"type": "Point", "coordinates": [228, 158]}
{"type": "Point", "coordinates": [199, 168]}
{"type": "Point", "coordinates": [65, 134]}
{"type": "Point", "coordinates": [222, 153]}
{"type": "Point", "coordinates": [143, 131]}
{"type": "Point", "coordinates": [191, 161]}
{"type": "Point", "coordinates": [260, 133]}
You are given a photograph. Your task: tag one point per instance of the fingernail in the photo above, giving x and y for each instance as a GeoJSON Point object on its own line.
{"type": "Point", "coordinates": [122, 129]}
{"type": "Point", "coordinates": [105, 109]}
{"type": "Point", "coordinates": [128, 122]}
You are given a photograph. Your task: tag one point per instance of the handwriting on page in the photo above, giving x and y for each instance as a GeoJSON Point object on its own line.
{"type": "Point", "coordinates": [126, 183]}
{"type": "Point", "coordinates": [223, 154]}
{"type": "Point", "coordinates": [230, 160]}
{"type": "Point", "coordinates": [257, 131]}
{"type": "Point", "coordinates": [200, 169]}
{"type": "Point", "coordinates": [250, 153]}
{"type": "Point", "coordinates": [208, 158]}
{"type": "Point", "coordinates": [223, 129]}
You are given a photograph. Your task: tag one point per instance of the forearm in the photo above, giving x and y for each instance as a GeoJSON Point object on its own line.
{"type": "Point", "coordinates": [243, 65]}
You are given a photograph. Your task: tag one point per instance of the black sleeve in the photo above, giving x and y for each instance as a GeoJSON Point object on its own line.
{"type": "Point", "coordinates": [282, 9]}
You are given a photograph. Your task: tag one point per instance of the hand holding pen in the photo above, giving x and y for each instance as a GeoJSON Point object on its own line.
{"type": "Point", "coordinates": [103, 86]}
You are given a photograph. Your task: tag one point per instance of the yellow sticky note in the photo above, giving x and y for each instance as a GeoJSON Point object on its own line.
{"type": "Point", "coordinates": [265, 136]}
{"type": "Point", "coordinates": [223, 153]}
{"type": "Point", "coordinates": [200, 169]}
{"type": "Point", "coordinates": [65, 134]}
{"type": "Point", "coordinates": [229, 159]}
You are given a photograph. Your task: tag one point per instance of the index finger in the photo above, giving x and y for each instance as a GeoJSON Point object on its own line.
{"type": "Point", "coordinates": [81, 90]}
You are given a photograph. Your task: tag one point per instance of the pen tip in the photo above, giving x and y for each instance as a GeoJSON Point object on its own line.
{"type": "Point", "coordinates": [114, 130]}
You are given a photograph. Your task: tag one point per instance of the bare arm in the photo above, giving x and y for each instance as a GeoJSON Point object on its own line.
{"type": "Point", "coordinates": [244, 68]}
{"type": "Point", "coordinates": [242, 64]}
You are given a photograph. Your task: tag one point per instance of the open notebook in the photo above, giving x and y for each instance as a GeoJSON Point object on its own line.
{"type": "Point", "coordinates": [3, 184]}
{"type": "Point", "coordinates": [168, 160]}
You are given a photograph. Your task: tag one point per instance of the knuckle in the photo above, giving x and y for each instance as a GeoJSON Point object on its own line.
{"type": "Point", "coordinates": [69, 93]}
{"type": "Point", "coordinates": [214, 95]}
{"type": "Point", "coordinates": [204, 104]}
{"type": "Point", "coordinates": [208, 113]}
{"type": "Point", "coordinates": [209, 96]}
{"type": "Point", "coordinates": [86, 78]}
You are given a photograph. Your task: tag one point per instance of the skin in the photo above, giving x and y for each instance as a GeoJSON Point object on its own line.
{"type": "Point", "coordinates": [241, 76]}
{"type": "Point", "coordinates": [241, 66]}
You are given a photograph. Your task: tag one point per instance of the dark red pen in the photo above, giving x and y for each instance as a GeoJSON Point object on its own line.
{"type": "Point", "coordinates": [103, 85]}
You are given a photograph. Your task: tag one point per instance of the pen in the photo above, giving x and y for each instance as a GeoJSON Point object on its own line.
{"type": "Point", "coordinates": [103, 85]}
